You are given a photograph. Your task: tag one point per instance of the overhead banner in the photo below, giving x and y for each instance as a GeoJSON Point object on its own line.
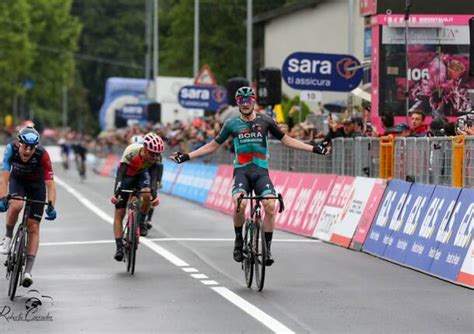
{"type": "Point", "coordinates": [403, 228]}
{"type": "Point", "coordinates": [336, 204]}
{"type": "Point", "coordinates": [390, 209]}
{"type": "Point", "coordinates": [322, 72]}
{"type": "Point", "coordinates": [368, 215]}
{"type": "Point", "coordinates": [455, 238]}
{"type": "Point", "coordinates": [424, 245]}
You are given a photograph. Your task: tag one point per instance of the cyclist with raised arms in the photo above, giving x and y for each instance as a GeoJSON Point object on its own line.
{"type": "Point", "coordinates": [140, 168]}
{"type": "Point", "coordinates": [249, 132]}
{"type": "Point", "coordinates": [28, 172]}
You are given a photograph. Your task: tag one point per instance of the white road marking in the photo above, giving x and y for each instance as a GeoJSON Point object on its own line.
{"type": "Point", "coordinates": [68, 243]}
{"type": "Point", "coordinates": [253, 311]}
{"type": "Point", "coordinates": [232, 239]}
{"type": "Point", "coordinates": [199, 276]}
{"type": "Point", "coordinates": [190, 270]}
{"type": "Point", "coordinates": [209, 282]}
{"type": "Point", "coordinates": [235, 299]}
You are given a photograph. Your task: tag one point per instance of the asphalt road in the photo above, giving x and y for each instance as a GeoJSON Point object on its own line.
{"type": "Point", "coordinates": [187, 282]}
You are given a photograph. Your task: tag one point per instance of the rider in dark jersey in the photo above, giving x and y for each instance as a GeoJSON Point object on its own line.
{"type": "Point", "coordinates": [28, 172]}
{"type": "Point", "coordinates": [250, 132]}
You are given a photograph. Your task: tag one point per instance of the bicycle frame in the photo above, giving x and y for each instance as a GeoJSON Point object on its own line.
{"type": "Point", "coordinates": [254, 240]}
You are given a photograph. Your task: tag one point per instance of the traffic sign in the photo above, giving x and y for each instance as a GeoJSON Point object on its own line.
{"type": "Point", "coordinates": [205, 77]}
{"type": "Point", "coordinates": [321, 71]}
{"type": "Point", "coordinates": [202, 97]}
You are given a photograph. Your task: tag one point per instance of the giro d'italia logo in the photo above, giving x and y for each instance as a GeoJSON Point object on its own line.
{"type": "Point", "coordinates": [344, 68]}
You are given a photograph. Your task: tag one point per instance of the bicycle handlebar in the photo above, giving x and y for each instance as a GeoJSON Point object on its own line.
{"type": "Point", "coordinates": [260, 198]}
{"type": "Point", "coordinates": [24, 199]}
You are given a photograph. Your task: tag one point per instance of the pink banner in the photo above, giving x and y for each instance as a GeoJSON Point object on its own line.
{"type": "Point", "coordinates": [320, 193]}
{"type": "Point", "coordinates": [290, 192]}
{"type": "Point", "coordinates": [367, 7]}
{"type": "Point", "coordinates": [375, 78]}
{"type": "Point", "coordinates": [220, 195]}
{"type": "Point", "coordinates": [368, 215]}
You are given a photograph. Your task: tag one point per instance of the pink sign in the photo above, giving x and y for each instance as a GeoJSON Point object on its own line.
{"type": "Point", "coordinates": [368, 215]}
{"type": "Point", "coordinates": [367, 7]}
{"type": "Point", "coordinates": [290, 193]}
{"type": "Point", "coordinates": [220, 195]}
{"type": "Point", "coordinates": [321, 190]}
{"type": "Point", "coordinates": [422, 20]}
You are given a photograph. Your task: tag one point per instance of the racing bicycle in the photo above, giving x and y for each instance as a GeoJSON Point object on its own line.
{"type": "Point", "coordinates": [255, 246]}
{"type": "Point", "coordinates": [16, 257]}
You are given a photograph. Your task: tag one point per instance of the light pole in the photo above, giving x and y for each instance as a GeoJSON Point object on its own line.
{"type": "Point", "coordinates": [249, 41]}
{"type": "Point", "coordinates": [155, 48]}
{"type": "Point", "coordinates": [196, 39]}
{"type": "Point", "coordinates": [407, 86]}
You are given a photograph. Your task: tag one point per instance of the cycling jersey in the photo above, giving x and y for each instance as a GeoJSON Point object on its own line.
{"type": "Point", "coordinates": [250, 139]}
{"type": "Point", "coordinates": [133, 166]}
{"type": "Point", "coordinates": [37, 168]}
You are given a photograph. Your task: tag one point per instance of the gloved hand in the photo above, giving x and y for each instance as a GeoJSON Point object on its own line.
{"type": "Point", "coordinates": [50, 212]}
{"type": "Point", "coordinates": [3, 204]}
{"type": "Point", "coordinates": [155, 201]}
{"type": "Point", "coordinates": [180, 157]}
{"type": "Point", "coordinates": [115, 199]}
{"type": "Point", "coordinates": [322, 148]}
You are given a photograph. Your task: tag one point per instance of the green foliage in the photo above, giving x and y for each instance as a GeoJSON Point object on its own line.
{"type": "Point", "coordinates": [290, 103]}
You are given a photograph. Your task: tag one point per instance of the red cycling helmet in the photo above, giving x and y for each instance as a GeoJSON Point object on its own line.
{"type": "Point", "coordinates": [154, 143]}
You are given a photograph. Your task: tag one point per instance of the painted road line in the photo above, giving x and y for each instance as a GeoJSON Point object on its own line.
{"type": "Point", "coordinates": [235, 299]}
{"type": "Point", "coordinates": [199, 276]}
{"type": "Point", "coordinates": [190, 270]}
{"type": "Point", "coordinates": [232, 239]}
{"type": "Point", "coordinates": [69, 243]}
{"type": "Point", "coordinates": [209, 282]}
{"type": "Point", "coordinates": [253, 311]}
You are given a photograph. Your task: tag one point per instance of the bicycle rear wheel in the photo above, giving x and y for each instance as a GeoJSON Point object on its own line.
{"type": "Point", "coordinates": [247, 264]}
{"type": "Point", "coordinates": [260, 253]}
{"type": "Point", "coordinates": [16, 261]}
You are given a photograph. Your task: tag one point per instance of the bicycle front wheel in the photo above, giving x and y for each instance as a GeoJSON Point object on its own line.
{"type": "Point", "coordinates": [247, 265]}
{"type": "Point", "coordinates": [260, 249]}
{"type": "Point", "coordinates": [16, 261]}
{"type": "Point", "coordinates": [133, 242]}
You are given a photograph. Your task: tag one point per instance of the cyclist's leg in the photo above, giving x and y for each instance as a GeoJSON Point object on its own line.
{"type": "Point", "coordinates": [119, 214]}
{"type": "Point", "coordinates": [144, 185]}
{"type": "Point", "coordinates": [14, 209]}
{"type": "Point", "coordinates": [241, 186]}
{"type": "Point", "coordinates": [264, 187]}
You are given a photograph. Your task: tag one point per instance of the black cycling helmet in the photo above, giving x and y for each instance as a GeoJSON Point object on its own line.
{"type": "Point", "coordinates": [29, 136]}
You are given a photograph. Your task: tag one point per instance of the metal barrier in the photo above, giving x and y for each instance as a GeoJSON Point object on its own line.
{"type": "Point", "coordinates": [434, 160]}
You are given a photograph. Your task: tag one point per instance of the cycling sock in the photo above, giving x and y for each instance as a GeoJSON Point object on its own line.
{"type": "Point", "coordinates": [268, 238]}
{"type": "Point", "coordinates": [119, 243]}
{"type": "Point", "coordinates": [9, 231]}
{"type": "Point", "coordinates": [238, 232]}
{"type": "Point", "coordinates": [30, 260]}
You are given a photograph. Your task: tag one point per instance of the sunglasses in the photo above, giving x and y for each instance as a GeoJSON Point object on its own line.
{"type": "Point", "coordinates": [31, 147]}
{"type": "Point", "coordinates": [245, 100]}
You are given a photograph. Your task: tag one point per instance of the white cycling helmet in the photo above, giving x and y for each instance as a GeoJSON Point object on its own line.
{"type": "Point", "coordinates": [154, 143]}
{"type": "Point", "coordinates": [137, 139]}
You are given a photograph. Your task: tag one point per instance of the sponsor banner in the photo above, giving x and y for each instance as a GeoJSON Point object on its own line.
{"type": "Point", "coordinates": [170, 172]}
{"type": "Point", "coordinates": [290, 193]}
{"type": "Point", "coordinates": [109, 167]}
{"type": "Point", "coordinates": [390, 209]}
{"type": "Point", "coordinates": [423, 246]}
{"type": "Point", "coordinates": [280, 182]}
{"type": "Point", "coordinates": [454, 238]}
{"type": "Point", "coordinates": [220, 194]}
{"type": "Point", "coordinates": [403, 228]}
{"type": "Point", "coordinates": [368, 214]}
{"type": "Point", "coordinates": [343, 231]}
{"type": "Point", "coordinates": [308, 189]}
{"type": "Point", "coordinates": [194, 181]}
{"type": "Point", "coordinates": [466, 275]}
{"type": "Point", "coordinates": [335, 205]}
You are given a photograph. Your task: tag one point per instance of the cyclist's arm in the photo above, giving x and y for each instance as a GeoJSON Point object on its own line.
{"type": "Point", "coordinates": [51, 187]}
{"type": "Point", "coordinates": [154, 174]}
{"type": "Point", "coordinates": [120, 175]}
{"type": "Point", "coordinates": [206, 149]}
{"type": "Point", "coordinates": [6, 168]}
{"type": "Point", "coordinates": [296, 144]}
